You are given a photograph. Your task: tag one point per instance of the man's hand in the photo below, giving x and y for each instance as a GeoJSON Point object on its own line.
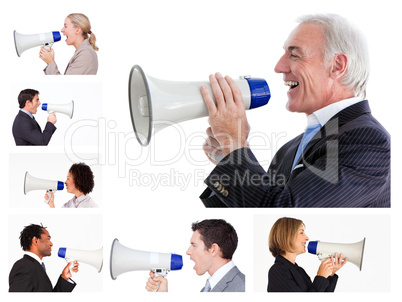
{"type": "Point", "coordinates": [229, 127]}
{"type": "Point", "coordinates": [66, 273]}
{"type": "Point", "coordinates": [153, 282]}
{"type": "Point", "coordinates": [52, 118]}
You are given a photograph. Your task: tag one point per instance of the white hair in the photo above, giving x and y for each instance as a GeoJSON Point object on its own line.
{"type": "Point", "coordinates": [344, 37]}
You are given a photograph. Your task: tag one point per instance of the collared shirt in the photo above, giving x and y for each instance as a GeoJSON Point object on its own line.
{"type": "Point", "coordinates": [84, 201]}
{"type": "Point", "coordinates": [323, 115]}
{"type": "Point", "coordinates": [220, 273]}
{"type": "Point", "coordinates": [27, 112]}
{"type": "Point", "coordinates": [36, 257]}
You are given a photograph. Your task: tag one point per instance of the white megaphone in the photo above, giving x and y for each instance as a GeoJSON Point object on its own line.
{"type": "Point", "coordinates": [354, 251]}
{"type": "Point", "coordinates": [94, 258]}
{"type": "Point", "coordinates": [123, 259]}
{"type": "Point", "coordinates": [24, 42]}
{"type": "Point", "coordinates": [32, 183]}
{"type": "Point", "coordinates": [156, 104]}
{"type": "Point", "coordinates": [67, 109]}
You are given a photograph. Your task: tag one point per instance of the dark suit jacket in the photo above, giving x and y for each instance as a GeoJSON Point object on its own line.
{"type": "Point", "coordinates": [284, 276]}
{"type": "Point", "coordinates": [346, 164]}
{"type": "Point", "coordinates": [233, 281]}
{"type": "Point", "coordinates": [27, 275]}
{"type": "Point", "coordinates": [27, 132]}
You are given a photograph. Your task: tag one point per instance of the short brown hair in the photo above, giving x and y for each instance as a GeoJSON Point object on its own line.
{"type": "Point", "coordinates": [282, 234]}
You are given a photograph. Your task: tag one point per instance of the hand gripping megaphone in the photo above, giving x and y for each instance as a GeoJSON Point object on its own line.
{"type": "Point", "coordinates": [67, 109]}
{"type": "Point", "coordinates": [156, 104]}
{"type": "Point", "coordinates": [354, 251]}
{"type": "Point", "coordinates": [24, 42]}
{"type": "Point", "coordinates": [123, 259]}
{"type": "Point", "coordinates": [32, 183]}
{"type": "Point", "coordinates": [93, 258]}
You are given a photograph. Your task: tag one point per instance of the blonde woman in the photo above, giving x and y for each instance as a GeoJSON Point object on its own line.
{"type": "Point", "coordinates": [287, 240]}
{"type": "Point", "coordinates": [77, 29]}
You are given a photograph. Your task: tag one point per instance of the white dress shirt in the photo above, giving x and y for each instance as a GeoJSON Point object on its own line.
{"type": "Point", "coordinates": [84, 201]}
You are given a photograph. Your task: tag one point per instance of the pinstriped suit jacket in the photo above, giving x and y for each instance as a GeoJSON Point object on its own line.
{"type": "Point", "coordinates": [346, 164]}
{"type": "Point", "coordinates": [285, 276]}
{"type": "Point", "coordinates": [27, 275]}
{"type": "Point", "coordinates": [27, 132]}
{"type": "Point", "coordinates": [233, 281]}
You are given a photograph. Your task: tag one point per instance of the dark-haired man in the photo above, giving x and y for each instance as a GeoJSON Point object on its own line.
{"type": "Point", "coordinates": [26, 130]}
{"type": "Point", "coordinates": [29, 273]}
{"type": "Point", "coordinates": [212, 246]}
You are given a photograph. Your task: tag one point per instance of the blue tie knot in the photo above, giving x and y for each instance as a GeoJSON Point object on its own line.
{"type": "Point", "coordinates": [308, 135]}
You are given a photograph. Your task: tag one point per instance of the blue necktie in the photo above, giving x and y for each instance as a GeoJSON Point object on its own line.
{"type": "Point", "coordinates": [43, 266]}
{"type": "Point", "coordinates": [207, 287]}
{"type": "Point", "coordinates": [308, 135]}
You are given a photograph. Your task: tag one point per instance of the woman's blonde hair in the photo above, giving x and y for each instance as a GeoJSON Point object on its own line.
{"type": "Point", "coordinates": [282, 235]}
{"type": "Point", "coordinates": [82, 21]}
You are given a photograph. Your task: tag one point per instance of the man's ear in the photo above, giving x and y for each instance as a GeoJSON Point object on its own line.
{"type": "Point", "coordinates": [215, 249]}
{"type": "Point", "coordinates": [339, 64]}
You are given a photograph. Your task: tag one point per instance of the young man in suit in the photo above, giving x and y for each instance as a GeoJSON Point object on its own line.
{"type": "Point", "coordinates": [26, 130]}
{"type": "Point", "coordinates": [212, 246]}
{"type": "Point", "coordinates": [29, 273]}
{"type": "Point", "coordinates": [343, 158]}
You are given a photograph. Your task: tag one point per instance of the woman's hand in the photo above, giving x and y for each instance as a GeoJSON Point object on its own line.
{"type": "Point", "coordinates": [338, 262]}
{"type": "Point", "coordinates": [326, 268]}
{"type": "Point", "coordinates": [46, 55]}
{"type": "Point", "coordinates": [49, 197]}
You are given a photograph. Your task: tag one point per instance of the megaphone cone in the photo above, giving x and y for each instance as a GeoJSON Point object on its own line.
{"type": "Point", "coordinates": [32, 183]}
{"type": "Point", "coordinates": [93, 258]}
{"type": "Point", "coordinates": [160, 103]}
{"type": "Point", "coordinates": [354, 251]}
{"type": "Point", "coordinates": [24, 42]}
{"type": "Point", "coordinates": [123, 259]}
{"type": "Point", "coordinates": [67, 109]}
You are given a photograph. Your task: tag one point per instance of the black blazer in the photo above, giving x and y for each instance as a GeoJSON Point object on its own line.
{"type": "Point", "coordinates": [284, 276]}
{"type": "Point", "coordinates": [27, 132]}
{"type": "Point", "coordinates": [27, 275]}
{"type": "Point", "coordinates": [346, 164]}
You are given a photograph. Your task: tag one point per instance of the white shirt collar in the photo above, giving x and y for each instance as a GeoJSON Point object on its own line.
{"type": "Point", "coordinates": [220, 273]}
{"type": "Point", "coordinates": [323, 115]}
{"type": "Point", "coordinates": [36, 257]}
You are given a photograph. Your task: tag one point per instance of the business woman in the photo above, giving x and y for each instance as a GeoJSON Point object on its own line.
{"type": "Point", "coordinates": [80, 182]}
{"type": "Point", "coordinates": [287, 240]}
{"type": "Point", "coordinates": [77, 29]}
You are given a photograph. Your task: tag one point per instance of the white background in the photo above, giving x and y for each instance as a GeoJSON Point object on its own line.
{"type": "Point", "coordinates": [150, 195]}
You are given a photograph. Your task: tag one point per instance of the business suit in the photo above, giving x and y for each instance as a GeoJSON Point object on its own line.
{"type": "Point", "coordinates": [27, 275]}
{"type": "Point", "coordinates": [233, 281]}
{"type": "Point", "coordinates": [285, 276]}
{"type": "Point", "coordinates": [27, 132]}
{"type": "Point", "coordinates": [83, 62]}
{"type": "Point", "coordinates": [346, 164]}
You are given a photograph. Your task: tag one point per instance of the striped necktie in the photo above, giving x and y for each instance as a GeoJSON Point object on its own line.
{"type": "Point", "coordinates": [207, 287]}
{"type": "Point", "coordinates": [308, 135]}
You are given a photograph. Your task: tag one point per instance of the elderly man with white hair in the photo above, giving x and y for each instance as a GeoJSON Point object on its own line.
{"type": "Point", "coordinates": [343, 158]}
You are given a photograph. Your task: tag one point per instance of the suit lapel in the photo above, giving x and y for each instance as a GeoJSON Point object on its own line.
{"type": "Point", "coordinates": [333, 126]}
{"type": "Point", "coordinates": [40, 270]}
{"type": "Point", "coordinates": [224, 282]}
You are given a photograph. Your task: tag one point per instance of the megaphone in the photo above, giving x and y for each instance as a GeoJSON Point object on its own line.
{"type": "Point", "coordinates": [354, 251]}
{"type": "Point", "coordinates": [67, 109]}
{"type": "Point", "coordinates": [124, 259]}
{"type": "Point", "coordinates": [24, 42]}
{"type": "Point", "coordinates": [32, 183]}
{"type": "Point", "coordinates": [156, 104]}
{"type": "Point", "coordinates": [94, 258]}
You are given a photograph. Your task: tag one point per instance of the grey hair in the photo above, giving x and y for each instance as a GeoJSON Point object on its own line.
{"type": "Point", "coordinates": [344, 37]}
